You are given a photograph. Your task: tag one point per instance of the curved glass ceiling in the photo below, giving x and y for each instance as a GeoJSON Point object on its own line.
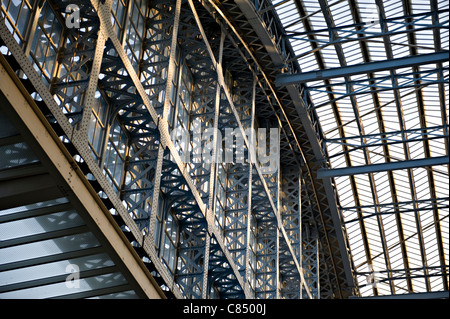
{"type": "Point", "coordinates": [386, 130]}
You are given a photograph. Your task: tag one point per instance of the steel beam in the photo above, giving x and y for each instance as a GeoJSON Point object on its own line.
{"type": "Point", "coordinates": [295, 120]}
{"type": "Point", "coordinates": [391, 166]}
{"type": "Point", "coordinates": [370, 67]}
{"type": "Point", "coordinates": [27, 190]}
{"type": "Point", "coordinates": [421, 296]}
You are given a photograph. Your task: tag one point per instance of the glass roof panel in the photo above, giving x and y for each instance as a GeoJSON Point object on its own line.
{"type": "Point", "coordinates": [46, 248]}
{"type": "Point", "coordinates": [56, 268]}
{"type": "Point", "coordinates": [40, 224]}
{"type": "Point", "coordinates": [396, 220]}
{"type": "Point", "coordinates": [61, 289]}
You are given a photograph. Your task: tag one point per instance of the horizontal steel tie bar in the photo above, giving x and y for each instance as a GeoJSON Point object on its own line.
{"type": "Point", "coordinates": [72, 83]}
{"type": "Point", "coordinates": [137, 190]}
{"type": "Point", "coordinates": [431, 201]}
{"type": "Point", "coordinates": [421, 295]}
{"type": "Point", "coordinates": [287, 79]}
{"type": "Point", "coordinates": [355, 170]}
{"type": "Point", "coordinates": [387, 135]}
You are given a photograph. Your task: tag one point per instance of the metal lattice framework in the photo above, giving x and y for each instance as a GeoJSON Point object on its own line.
{"type": "Point", "coordinates": [117, 91]}
{"type": "Point", "coordinates": [132, 89]}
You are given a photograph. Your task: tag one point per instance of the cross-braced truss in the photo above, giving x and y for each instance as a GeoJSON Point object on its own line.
{"type": "Point", "coordinates": [134, 89]}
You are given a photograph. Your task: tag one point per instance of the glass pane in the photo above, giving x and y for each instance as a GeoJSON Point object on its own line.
{"type": "Point", "coordinates": [16, 155]}
{"type": "Point", "coordinates": [60, 289]}
{"type": "Point", "coordinates": [14, 9]}
{"type": "Point", "coordinates": [40, 224]}
{"type": "Point", "coordinates": [48, 247]}
{"type": "Point", "coordinates": [24, 19]}
{"type": "Point", "coordinates": [6, 128]}
{"type": "Point", "coordinates": [54, 269]}
{"type": "Point", "coordinates": [34, 206]}
{"type": "Point", "coordinates": [121, 295]}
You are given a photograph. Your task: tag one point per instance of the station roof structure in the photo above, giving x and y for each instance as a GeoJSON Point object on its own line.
{"type": "Point", "coordinates": [376, 74]}
{"type": "Point", "coordinates": [91, 171]}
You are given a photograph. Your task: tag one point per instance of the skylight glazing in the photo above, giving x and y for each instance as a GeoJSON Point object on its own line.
{"type": "Point", "coordinates": [397, 220]}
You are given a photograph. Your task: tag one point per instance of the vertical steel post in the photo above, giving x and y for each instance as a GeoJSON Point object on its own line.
{"type": "Point", "coordinates": [212, 176]}
{"type": "Point", "coordinates": [163, 122]}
